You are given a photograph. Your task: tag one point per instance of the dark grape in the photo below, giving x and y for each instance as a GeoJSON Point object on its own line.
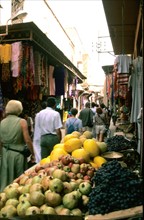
{"type": "Point", "coordinates": [115, 188]}
{"type": "Point", "coordinates": [118, 143]}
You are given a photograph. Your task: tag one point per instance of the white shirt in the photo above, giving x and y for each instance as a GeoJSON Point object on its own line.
{"type": "Point", "coordinates": [46, 122]}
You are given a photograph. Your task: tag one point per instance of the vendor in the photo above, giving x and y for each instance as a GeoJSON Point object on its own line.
{"type": "Point", "coordinates": [124, 112]}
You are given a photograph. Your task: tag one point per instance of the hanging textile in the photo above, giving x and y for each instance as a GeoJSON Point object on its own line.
{"type": "Point", "coordinates": [59, 76]}
{"type": "Point", "coordinates": [37, 58]}
{"type": "Point", "coordinates": [136, 81]}
{"type": "Point", "coordinates": [16, 58]}
{"type": "Point", "coordinates": [123, 63]}
{"type": "Point", "coordinates": [1, 99]}
{"type": "Point", "coordinates": [5, 57]}
{"type": "Point", "coordinates": [51, 81]}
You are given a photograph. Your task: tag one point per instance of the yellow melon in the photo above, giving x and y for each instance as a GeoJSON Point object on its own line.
{"type": "Point", "coordinates": [67, 137]}
{"type": "Point", "coordinates": [94, 165]}
{"type": "Point", "coordinates": [72, 144]}
{"type": "Point", "coordinates": [45, 160]}
{"type": "Point", "coordinates": [56, 153]}
{"type": "Point", "coordinates": [88, 134]}
{"type": "Point", "coordinates": [81, 153]}
{"type": "Point", "coordinates": [82, 138]}
{"type": "Point", "coordinates": [76, 134]}
{"type": "Point", "coordinates": [91, 147]}
{"type": "Point", "coordinates": [98, 160]}
{"type": "Point", "coordinates": [61, 145]}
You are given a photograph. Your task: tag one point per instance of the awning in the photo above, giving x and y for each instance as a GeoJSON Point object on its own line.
{"type": "Point", "coordinates": [122, 18]}
{"type": "Point", "coordinates": [30, 32]}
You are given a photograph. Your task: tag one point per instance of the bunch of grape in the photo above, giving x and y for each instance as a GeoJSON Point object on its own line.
{"type": "Point", "coordinates": [114, 188]}
{"type": "Point", "coordinates": [118, 143]}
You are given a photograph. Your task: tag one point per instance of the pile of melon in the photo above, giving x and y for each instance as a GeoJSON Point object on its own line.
{"type": "Point", "coordinates": [80, 146]}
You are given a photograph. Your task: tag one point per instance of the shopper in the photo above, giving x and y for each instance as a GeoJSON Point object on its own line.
{"type": "Point", "coordinates": [86, 115]}
{"type": "Point", "coordinates": [100, 124]}
{"type": "Point", "coordinates": [29, 122]}
{"type": "Point", "coordinates": [47, 129]}
{"type": "Point", "coordinates": [107, 114]}
{"type": "Point", "coordinates": [94, 106]}
{"type": "Point", "coordinates": [73, 123]}
{"type": "Point", "coordinates": [14, 136]}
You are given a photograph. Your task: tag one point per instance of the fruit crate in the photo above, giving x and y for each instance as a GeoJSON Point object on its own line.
{"type": "Point", "coordinates": [131, 213]}
{"type": "Point", "coordinates": [45, 217]}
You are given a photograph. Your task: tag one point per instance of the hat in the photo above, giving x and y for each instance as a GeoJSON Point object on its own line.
{"type": "Point", "coordinates": [14, 107]}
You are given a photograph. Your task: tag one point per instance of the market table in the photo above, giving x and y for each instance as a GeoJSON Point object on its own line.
{"type": "Point", "coordinates": [121, 214]}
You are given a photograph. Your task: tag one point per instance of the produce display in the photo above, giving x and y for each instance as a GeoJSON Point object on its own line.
{"type": "Point", "coordinates": [118, 143]}
{"type": "Point", "coordinates": [115, 188]}
{"type": "Point", "coordinates": [74, 180]}
{"type": "Point", "coordinates": [60, 187]}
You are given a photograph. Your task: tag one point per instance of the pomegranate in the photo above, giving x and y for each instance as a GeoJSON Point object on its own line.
{"type": "Point", "coordinates": [33, 210]}
{"type": "Point", "coordinates": [47, 210]}
{"type": "Point", "coordinates": [56, 185]}
{"type": "Point", "coordinates": [8, 211]}
{"type": "Point", "coordinates": [52, 198]}
{"type": "Point", "coordinates": [37, 198]}
{"type": "Point", "coordinates": [13, 202]}
{"type": "Point", "coordinates": [22, 207]}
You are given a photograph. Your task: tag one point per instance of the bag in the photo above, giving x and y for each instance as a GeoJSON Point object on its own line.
{"type": "Point", "coordinates": [90, 122]}
{"type": "Point", "coordinates": [71, 128]}
{"type": "Point", "coordinates": [26, 152]}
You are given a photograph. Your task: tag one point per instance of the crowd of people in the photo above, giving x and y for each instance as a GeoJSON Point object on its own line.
{"type": "Point", "coordinates": [17, 129]}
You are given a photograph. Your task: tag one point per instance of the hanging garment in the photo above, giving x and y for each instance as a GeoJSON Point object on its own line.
{"type": "Point", "coordinates": [37, 58]}
{"type": "Point", "coordinates": [5, 53]}
{"type": "Point", "coordinates": [136, 81]}
{"type": "Point", "coordinates": [123, 63]}
{"type": "Point", "coordinates": [1, 99]}
{"type": "Point", "coordinates": [51, 81]}
{"type": "Point", "coordinates": [16, 58]}
{"type": "Point", "coordinates": [59, 75]}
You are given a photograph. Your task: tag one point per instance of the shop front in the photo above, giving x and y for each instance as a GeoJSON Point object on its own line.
{"type": "Point", "coordinates": [32, 68]}
{"type": "Point", "coordinates": [125, 80]}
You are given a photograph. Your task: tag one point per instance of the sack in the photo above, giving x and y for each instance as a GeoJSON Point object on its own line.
{"type": "Point", "coordinates": [26, 152]}
{"type": "Point", "coordinates": [70, 129]}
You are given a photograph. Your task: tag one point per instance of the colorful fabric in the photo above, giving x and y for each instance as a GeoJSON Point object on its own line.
{"type": "Point", "coordinates": [5, 53]}
{"type": "Point", "coordinates": [16, 58]}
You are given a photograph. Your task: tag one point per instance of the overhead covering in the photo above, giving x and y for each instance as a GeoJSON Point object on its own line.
{"type": "Point", "coordinates": [122, 18]}
{"type": "Point", "coordinates": [30, 32]}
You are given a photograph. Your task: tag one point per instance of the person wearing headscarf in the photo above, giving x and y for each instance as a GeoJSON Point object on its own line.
{"type": "Point", "coordinates": [14, 136]}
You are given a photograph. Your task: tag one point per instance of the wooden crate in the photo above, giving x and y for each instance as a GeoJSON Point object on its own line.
{"type": "Point", "coordinates": [122, 214]}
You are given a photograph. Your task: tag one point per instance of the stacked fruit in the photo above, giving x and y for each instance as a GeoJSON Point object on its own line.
{"type": "Point", "coordinates": [80, 147]}
{"type": "Point", "coordinates": [60, 187]}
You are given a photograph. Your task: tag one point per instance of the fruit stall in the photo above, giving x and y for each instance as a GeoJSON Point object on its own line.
{"type": "Point", "coordinates": [82, 179]}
